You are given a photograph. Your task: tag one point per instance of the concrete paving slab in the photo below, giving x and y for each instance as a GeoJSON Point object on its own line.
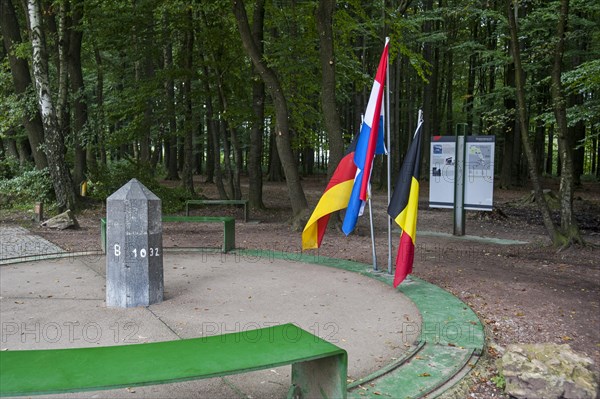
{"type": "Point", "coordinates": [17, 242]}
{"type": "Point", "coordinates": [54, 323]}
{"type": "Point", "coordinates": [55, 278]}
{"type": "Point", "coordinates": [208, 294]}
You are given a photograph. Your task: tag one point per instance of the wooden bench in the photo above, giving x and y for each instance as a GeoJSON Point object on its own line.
{"type": "Point", "coordinates": [228, 228]}
{"type": "Point", "coordinates": [219, 202]}
{"type": "Point", "coordinates": [319, 368]}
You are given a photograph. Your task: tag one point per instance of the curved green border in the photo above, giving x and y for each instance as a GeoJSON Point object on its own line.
{"type": "Point", "coordinates": [450, 341]}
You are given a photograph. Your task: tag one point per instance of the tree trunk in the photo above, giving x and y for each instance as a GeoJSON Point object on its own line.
{"type": "Point", "coordinates": [55, 146]}
{"type": "Point", "coordinates": [282, 134]}
{"type": "Point", "coordinates": [550, 151]}
{"type": "Point", "coordinates": [11, 35]}
{"type": "Point", "coordinates": [509, 130]}
{"type": "Point", "coordinates": [540, 130]}
{"type": "Point", "coordinates": [210, 153]}
{"type": "Point", "coordinates": [11, 144]}
{"type": "Point", "coordinates": [227, 172]}
{"type": "Point", "coordinates": [567, 220]}
{"type": "Point", "coordinates": [555, 236]}
{"type": "Point", "coordinates": [143, 31]}
{"type": "Point", "coordinates": [187, 175]}
{"type": "Point", "coordinates": [274, 162]}
{"type": "Point", "coordinates": [24, 152]}
{"type": "Point", "coordinates": [538, 145]}
{"type": "Point", "coordinates": [324, 19]}
{"type": "Point", "coordinates": [470, 98]}
{"type": "Point", "coordinates": [428, 91]}
{"type": "Point", "coordinates": [449, 99]}
{"type": "Point", "coordinates": [213, 132]}
{"type": "Point", "coordinates": [233, 146]}
{"type": "Point", "coordinates": [62, 101]}
{"type": "Point", "coordinates": [594, 167]}
{"type": "Point", "coordinates": [597, 145]}
{"type": "Point", "coordinates": [17, 148]}
{"type": "Point", "coordinates": [80, 111]}
{"type": "Point", "coordinates": [255, 181]}
{"type": "Point", "coordinates": [100, 104]}
{"type": "Point", "coordinates": [198, 145]}
{"type": "Point", "coordinates": [576, 138]}
{"type": "Point", "coordinates": [171, 138]}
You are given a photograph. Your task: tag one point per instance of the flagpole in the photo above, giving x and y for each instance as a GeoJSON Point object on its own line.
{"type": "Point", "coordinates": [373, 251]}
{"type": "Point", "coordinates": [389, 160]}
{"type": "Point", "coordinates": [372, 236]}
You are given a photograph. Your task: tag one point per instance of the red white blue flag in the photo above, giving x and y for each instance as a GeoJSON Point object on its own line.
{"type": "Point", "coordinates": [370, 142]}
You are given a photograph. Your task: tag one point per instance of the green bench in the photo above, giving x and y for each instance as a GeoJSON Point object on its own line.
{"type": "Point", "coordinates": [219, 202]}
{"type": "Point", "coordinates": [319, 368]}
{"type": "Point", "coordinates": [228, 228]}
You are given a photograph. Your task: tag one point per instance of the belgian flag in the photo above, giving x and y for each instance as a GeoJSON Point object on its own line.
{"type": "Point", "coordinates": [336, 196]}
{"type": "Point", "coordinates": [404, 206]}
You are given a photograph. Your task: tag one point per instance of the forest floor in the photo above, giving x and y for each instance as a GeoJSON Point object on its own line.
{"type": "Point", "coordinates": [527, 293]}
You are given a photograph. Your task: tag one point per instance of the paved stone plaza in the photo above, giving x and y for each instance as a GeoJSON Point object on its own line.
{"type": "Point", "coordinates": [50, 299]}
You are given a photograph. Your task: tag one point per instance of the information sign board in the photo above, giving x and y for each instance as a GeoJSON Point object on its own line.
{"type": "Point", "coordinates": [479, 179]}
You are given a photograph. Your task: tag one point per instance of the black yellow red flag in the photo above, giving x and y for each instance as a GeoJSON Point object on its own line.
{"type": "Point", "coordinates": [404, 205]}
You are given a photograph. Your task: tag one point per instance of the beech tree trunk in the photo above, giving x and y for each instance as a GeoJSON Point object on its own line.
{"type": "Point", "coordinates": [55, 146]}
{"type": "Point", "coordinates": [324, 19]}
{"type": "Point", "coordinates": [143, 38]}
{"type": "Point", "coordinates": [506, 171]}
{"type": "Point", "coordinates": [568, 223]}
{"type": "Point", "coordinates": [282, 134]}
{"type": "Point", "coordinates": [274, 161]}
{"type": "Point", "coordinates": [100, 104]}
{"type": "Point", "coordinates": [80, 110]}
{"type": "Point", "coordinates": [470, 99]}
{"type": "Point", "coordinates": [171, 139]}
{"type": "Point", "coordinates": [187, 173]}
{"type": "Point", "coordinates": [555, 236]}
{"type": "Point", "coordinates": [449, 97]}
{"type": "Point", "coordinates": [550, 151]}
{"type": "Point", "coordinates": [213, 133]}
{"type": "Point", "coordinates": [62, 46]}
{"type": "Point", "coordinates": [428, 91]}
{"type": "Point", "coordinates": [255, 181]}
{"type": "Point", "coordinates": [232, 146]}
{"type": "Point", "coordinates": [11, 35]}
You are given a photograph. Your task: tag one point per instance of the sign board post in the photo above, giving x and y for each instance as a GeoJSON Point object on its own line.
{"type": "Point", "coordinates": [459, 185]}
{"type": "Point", "coordinates": [134, 263]}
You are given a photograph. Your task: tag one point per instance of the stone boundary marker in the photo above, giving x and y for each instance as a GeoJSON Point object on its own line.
{"type": "Point", "coordinates": [134, 253]}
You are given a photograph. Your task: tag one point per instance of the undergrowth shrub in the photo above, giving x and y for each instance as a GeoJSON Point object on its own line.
{"type": "Point", "coordinates": [28, 187]}
{"type": "Point", "coordinates": [107, 179]}
{"type": "Point", "coordinates": [9, 167]}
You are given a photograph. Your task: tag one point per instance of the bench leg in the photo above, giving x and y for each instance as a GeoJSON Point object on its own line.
{"type": "Point", "coordinates": [228, 235]}
{"type": "Point", "coordinates": [321, 378]}
{"type": "Point", "coordinates": [246, 213]}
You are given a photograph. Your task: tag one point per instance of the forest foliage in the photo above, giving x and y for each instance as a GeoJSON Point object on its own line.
{"type": "Point", "coordinates": [170, 87]}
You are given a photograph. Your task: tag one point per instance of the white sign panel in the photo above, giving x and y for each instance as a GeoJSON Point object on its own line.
{"type": "Point", "coordinates": [479, 181]}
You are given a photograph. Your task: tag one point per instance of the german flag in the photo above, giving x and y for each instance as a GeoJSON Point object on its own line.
{"type": "Point", "coordinates": [336, 196]}
{"type": "Point", "coordinates": [404, 206]}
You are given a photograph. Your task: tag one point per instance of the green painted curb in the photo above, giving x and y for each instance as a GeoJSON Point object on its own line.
{"type": "Point", "coordinates": [450, 340]}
